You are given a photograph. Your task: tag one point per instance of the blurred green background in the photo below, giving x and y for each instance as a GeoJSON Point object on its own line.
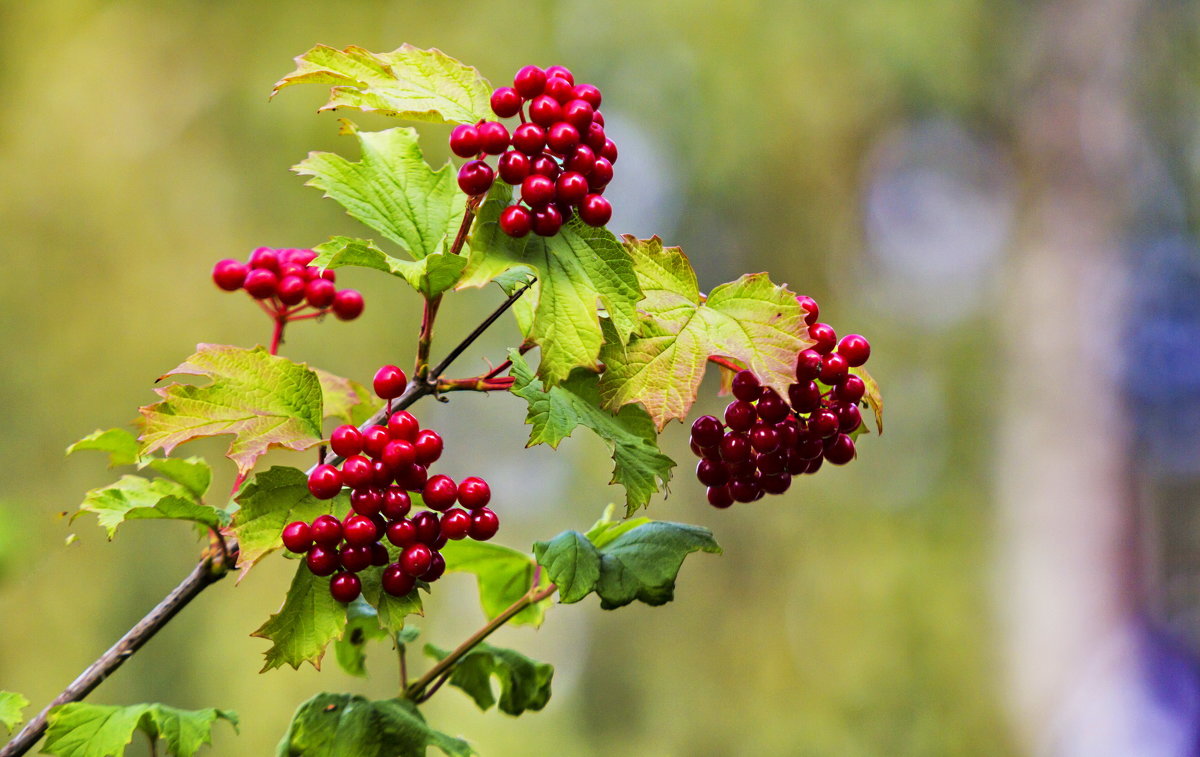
{"type": "Point", "coordinates": [867, 152]}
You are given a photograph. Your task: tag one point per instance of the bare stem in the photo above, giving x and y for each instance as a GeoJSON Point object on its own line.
{"type": "Point", "coordinates": [277, 335]}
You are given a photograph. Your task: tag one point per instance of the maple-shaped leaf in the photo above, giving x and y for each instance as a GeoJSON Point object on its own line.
{"type": "Point", "coordinates": [408, 82]}
{"type": "Point", "coordinates": [11, 705]}
{"type": "Point", "coordinates": [263, 400]}
{"type": "Point", "coordinates": [346, 399]}
{"type": "Point", "coordinates": [308, 621]}
{"type": "Point", "coordinates": [81, 729]}
{"type": "Point", "coordinates": [751, 320]}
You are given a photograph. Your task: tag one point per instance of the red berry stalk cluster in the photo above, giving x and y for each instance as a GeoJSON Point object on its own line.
{"type": "Point", "coordinates": [288, 287]}
{"type": "Point", "coordinates": [765, 439]}
{"type": "Point", "coordinates": [382, 466]}
{"type": "Point", "coordinates": [560, 155]}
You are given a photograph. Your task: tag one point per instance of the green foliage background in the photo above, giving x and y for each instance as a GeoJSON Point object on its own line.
{"type": "Point", "coordinates": [849, 617]}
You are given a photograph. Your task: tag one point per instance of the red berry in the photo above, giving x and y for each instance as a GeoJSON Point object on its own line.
{"type": "Point", "coordinates": [379, 555]}
{"type": "Point", "coordinates": [851, 389]}
{"type": "Point", "coordinates": [475, 177]}
{"type": "Point", "coordinates": [537, 190]}
{"type": "Point", "coordinates": [712, 473]}
{"type": "Point", "coordinates": [345, 587]}
{"type": "Point", "coordinates": [833, 369]}
{"type": "Point", "coordinates": [427, 527]}
{"type": "Point", "coordinates": [746, 386]}
{"type": "Point", "coordinates": [529, 138]}
{"type": "Point", "coordinates": [374, 440]}
{"type": "Point", "coordinates": [811, 310]}
{"type": "Point", "coordinates": [581, 160]}
{"type": "Point", "coordinates": [428, 446]}
{"type": "Point", "coordinates": [396, 503]}
{"type": "Point", "coordinates": [808, 365]}
{"type": "Point", "coordinates": [744, 468]}
{"type": "Point", "coordinates": [769, 464]}
{"type": "Point", "coordinates": [839, 450]}
{"type": "Point", "coordinates": [764, 438]}
{"type": "Point", "coordinates": [291, 290]}
{"type": "Point", "coordinates": [708, 453]}
{"type": "Point", "coordinates": [416, 559]}
{"type": "Point", "coordinates": [455, 524]}
{"type": "Point", "coordinates": [357, 472]}
{"type": "Point", "coordinates": [366, 501]}
{"type": "Point", "coordinates": [849, 418]}
{"type": "Point", "coordinates": [562, 137]}
{"type": "Point", "coordinates": [359, 530]}
{"type": "Point", "coordinates": [546, 166]}
{"type": "Point", "coordinates": [437, 566]}
{"type": "Point", "coordinates": [474, 493]}
{"type": "Point", "coordinates": [740, 416]}
{"type": "Point", "coordinates": [856, 349]}
{"type": "Point", "coordinates": [322, 561]}
{"type": "Point", "coordinates": [589, 93]}
{"type": "Point", "coordinates": [560, 89]}
{"type": "Point", "coordinates": [805, 397]}
{"type": "Point", "coordinates": [506, 102]}
{"type": "Point", "coordinates": [325, 482]}
{"type": "Point", "coordinates": [824, 424]}
{"type": "Point", "coordinates": [514, 166]}
{"type": "Point", "coordinates": [609, 151]}
{"type": "Point", "coordinates": [595, 210]}
{"type": "Point", "coordinates": [745, 489]}
{"type": "Point", "coordinates": [561, 71]}
{"type": "Point", "coordinates": [595, 137]}
{"type": "Point", "coordinates": [396, 582]}
{"type": "Point", "coordinates": [719, 497]}
{"type": "Point", "coordinates": [465, 141]}
{"type": "Point", "coordinates": [530, 81]}
{"type": "Point", "coordinates": [545, 111]}
{"type": "Point", "coordinates": [347, 304]}
{"type": "Point", "coordinates": [772, 408]}
{"type": "Point", "coordinates": [398, 455]}
{"type": "Point", "coordinates": [402, 533]}
{"type": "Point", "coordinates": [320, 293]}
{"type": "Point", "coordinates": [707, 431]}
{"type": "Point", "coordinates": [601, 175]}
{"type": "Point", "coordinates": [390, 382]}
{"type": "Point", "coordinates": [547, 221]}
{"type": "Point", "coordinates": [381, 474]}
{"type": "Point", "coordinates": [266, 258]}
{"type": "Point", "coordinates": [229, 275]}
{"type": "Point", "coordinates": [579, 113]}
{"type": "Point", "coordinates": [297, 537]}
{"type": "Point", "coordinates": [413, 477]}
{"type": "Point", "coordinates": [776, 484]}
{"type": "Point", "coordinates": [516, 221]}
{"type": "Point", "coordinates": [440, 492]}
{"type": "Point", "coordinates": [403, 425]}
{"type": "Point", "coordinates": [355, 557]}
{"type": "Point", "coordinates": [484, 524]}
{"type": "Point", "coordinates": [735, 448]}
{"type": "Point", "coordinates": [326, 530]}
{"type": "Point", "coordinates": [572, 187]}
{"type": "Point", "coordinates": [329, 274]}
{"type": "Point", "coordinates": [493, 137]}
{"type": "Point", "coordinates": [824, 336]}
{"type": "Point", "coordinates": [260, 283]}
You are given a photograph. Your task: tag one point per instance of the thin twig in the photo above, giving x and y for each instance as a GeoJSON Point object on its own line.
{"type": "Point", "coordinates": [487, 322]}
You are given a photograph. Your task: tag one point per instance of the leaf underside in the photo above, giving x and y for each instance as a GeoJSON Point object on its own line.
{"type": "Point", "coordinates": [346, 725]}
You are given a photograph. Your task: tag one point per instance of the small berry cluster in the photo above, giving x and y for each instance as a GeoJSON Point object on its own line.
{"type": "Point", "coordinates": [382, 466]}
{"type": "Point", "coordinates": [560, 156]}
{"type": "Point", "coordinates": [765, 440]}
{"type": "Point", "coordinates": [285, 279]}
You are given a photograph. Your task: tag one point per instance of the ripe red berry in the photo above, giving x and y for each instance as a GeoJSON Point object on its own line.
{"type": "Point", "coordinates": [229, 275]}
{"type": "Point", "coordinates": [529, 138]}
{"type": "Point", "coordinates": [772, 408]}
{"type": "Point", "coordinates": [708, 453]}
{"type": "Point", "coordinates": [322, 561]}
{"type": "Point", "coordinates": [415, 559]}
{"type": "Point", "coordinates": [359, 530]}
{"type": "Point", "coordinates": [855, 348]}
{"type": "Point", "coordinates": [455, 524]}
{"type": "Point", "coordinates": [571, 187]}
{"type": "Point", "coordinates": [833, 369]}
{"type": "Point", "coordinates": [544, 165]}
{"type": "Point", "coordinates": [735, 448]}
{"type": "Point", "coordinates": [562, 137]}
{"type": "Point", "coordinates": [396, 582]}
{"type": "Point", "coordinates": [484, 524]}
{"type": "Point", "coordinates": [345, 587]}
{"type": "Point", "coordinates": [291, 290]}
{"type": "Point", "coordinates": [561, 71]}
{"type": "Point", "coordinates": [402, 533]}
{"type": "Point", "coordinates": [804, 397]}
{"type": "Point", "coordinates": [547, 221]}
{"type": "Point", "coordinates": [475, 177]}
{"type": "Point", "coordinates": [506, 102]}
{"type": "Point", "coordinates": [589, 93]}
{"type": "Point", "coordinates": [609, 151]}
{"type": "Point", "coordinates": [398, 455]}
{"type": "Point", "coordinates": [326, 530]}
{"type": "Point", "coordinates": [537, 190]}
{"type": "Point", "coordinates": [396, 503]}
{"type": "Point", "coordinates": [740, 416]}
{"type": "Point", "coordinates": [325, 482]}
{"type": "Point", "coordinates": [581, 160]}
{"type": "Point", "coordinates": [560, 89]}
{"type": "Point", "coordinates": [849, 418]}
{"type": "Point", "coordinates": [851, 389]}
{"type": "Point", "coordinates": [811, 310]}
{"type": "Point", "coordinates": [776, 484]}
{"type": "Point", "coordinates": [719, 497]}
{"type": "Point", "coordinates": [516, 221]}
{"type": "Point", "coordinates": [595, 210]}
{"type": "Point", "coordinates": [745, 489]}
{"type": "Point", "coordinates": [712, 473]}
{"type": "Point", "coordinates": [764, 438]}
{"type": "Point", "coordinates": [545, 111]}
{"type": "Point", "coordinates": [357, 472]}
{"type": "Point", "coordinates": [579, 114]}
{"type": "Point", "coordinates": [514, 166]}
{"type": "Point", "coordinates": [772, 463]}
{"type": "Point", "coordinates": [379, 555]}
{"type": "Point", "coordinates": [824, 424]}
{"type": "Point", "coordinates": [440, 492]}
{"type": "Point", "coordinates": [413, 477]}
{"type": "Point", "coordinates": [824, 336]}
{"type": "Point", "coordinates": [427, 527]}
{"type": "Point", "coordinates": [403, 425]}
{"type": "Point", "coordinates": [601, 175]}
{"type": "Point", "coordinates": [474, 493]}
{"type": "Point", "coordinates": [347, 304]}
{"type": "Point", "coordinates": [381, 474]}
{"type": "Point", "coordinates": [320, 293]}
{"type": "Point", "coordinates": [465, 141]}
{"type": "Point", "coordinates": [389, 382]}
{"type": "Point", "coordinates": [265, 257]}
{"type": "Point", "coordinates": [746, 386]}
{"type": "Point", "coordinates": [428, 446]}
{"type": "Point", "coordinates": [493, 137]}
{"type": "Point", "coordinates": [839, 450]}
{"type": "Point", "coordinates": [707, 431]}
{"type": "Point", "coordinates": [297, 537]}
{"type": "Point", "coordinates": [808, 365]}
{"type": "Point", "coordinates": [374, 439]}
{"type": "Point", "coordinates": [529, 81]}
{"type": "Point", "coordinates": [260, 283]}
{"type": "Point", "coordinates": [355, 557]}
{"type": "Point", "coordinates": [366, 501]}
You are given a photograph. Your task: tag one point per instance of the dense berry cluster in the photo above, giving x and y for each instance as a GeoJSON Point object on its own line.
{"type": "Point", "coordinates": [560, 156]}
{"type": "Point", "coordinates": [285, 280]}
{"type": "Point", "coordinates": [382, 466]}
{"type": "Point", "coordinates": [766, 439]}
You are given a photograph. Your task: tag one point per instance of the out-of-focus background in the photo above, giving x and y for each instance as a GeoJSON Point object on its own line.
{"type": "Point", "coordinates": [1000, 195]}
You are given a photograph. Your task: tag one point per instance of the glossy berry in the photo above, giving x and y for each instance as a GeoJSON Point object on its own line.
{"type": "Point", "coordinates": [745, 489]}
{"type": "Point", "coordinates": [403, 425]}
{"type": "Point", "coordinates": [474, 493]}
{"type": "Point", "coordinates": [346, 440]}
{"type": "Point", "coordinates": [347, 304]}
{"type": "Point", "coordinates": [374, 440]}
{"type": "Point", "coordinates": [326, 530]}
{"type": "Point", "coordinates": [475, 177]}
{"type": "Point", "coordinates": [398, 455]}
{"type": "Point", "coordinates": [712, 473]}
{"type": "Point", "coordinates": [322, 561]}
{"type": "Point", "coordinates": [824, 424]}
{"type": "Point", "coordinates": [437, 566]}
{"type": "Point", "coordinates": [851, 389]}
{"type": "Point", "coordinates": [579, 114]}
{"type": "Point", "coordinates": [265, 258]}
{"type": "Point", "coordinates": [396, 582]}
{"type": "Point", "coordinates": [415, 559]}
{"type": "Point", "coordinates": [320, 293]}
{"type": "Point", "coordinates": [588, 93]}
{"type": "Point", "coordinates": [719, 497]}
{"type": "Point", "coordinates": [493, 137]}
{"type": "Point", "coordinates": [764, 438]}
{"type": "Point", "coordinates": [529, 139]}
{"type": "Point", "coordinates": [545, 111]}
{"type": "Point", "coordinates": [581, 160]}
{"type": "Point", "coordinates": [707, 431]}
{"type": "Point", "coordinates": [345, 587]}
{"type": "Point", "coordinates": [455, 524]}
{"type": "Point", "coordinates": [746, 386]}
{"type": "Point", "coordinates": [609, 151]}
{"type": "Point", "coordinates": [229, 275]}
{"type": "Point", "coordinates": [529, 81]}
{"type": "Point", "coordinates": [855, 348]}
{"type": "Point", "coordinates": [849, 418]}
{"type": "Point", "coordinates": [355, 557]}
{"type": "Point", "coordinates": [601, 175]}
{"type": "Point", "coordinates": [506, 102]}
{"type": "Point", "coordinates": [537, 190]}
{"type": "Point", "coordinates": [595, 137]}
{"type": "Point", "coordinates": [805, 397]}
{"type": "Point", "coordinates": [833, 369]}
{"type": "Point", "coordinates": [396, 503]}
{"type": "Point", "coordinates": [428, 446]}
{"type": "Point", "coordinates": [291, 290]}
{"type": "Point", "coordinates": [561, 71]}
{"type": "Point", "coordinates": [546, 166]}
{"type": "Point", "coordinates": [381, 474]}
{"type": "Point", "coordinates": [366, 501]}
{"type": "Point", "coordinates": [389, 382]}
{"type": "Point", "coordinates": [413, 477]}
{"type": "Point", "coordinates": [595, 210]}
{"type": "Point", "coordinates": [824, 336]}
{"type": "Point", "coordinates": [735, 448]}
{"type": "Point", "coordinates": [547, 221]}
{"type": "Point", "coordinates": [402, 533]}
{"type": "Point", "coordinates": [325, 482]}
{"type": "Point", "coordinates": [811, 310]}
{"type": "Point", "coordinates": [571, 187]}
{"type": "Point", "coordinates": [464, 141]}
{"type": "Point", "coordinates": [297, 537]}
{"type": "Point", "coordinates": [562, 137]}
{"type": "Point", "coordinates": [359, 530]}
{"type": "Point", "coordinates": [484, 524]}
{"type": "Point", "coordinates": [513, 167]}
{"type": "Point", "coordinates": [772, 408]}
{"type": "Point", "coordinates": [427, 527]}
{"type": "Point", "coordinates": [776, 484]}
{"type": "Point", "coordinates": [357, 472]}
{"type": "Point", "coordinates": [560, 89]}
{"type": "Point", "coordinates": [260, 283]}
{"type": "Point", "coordinates": [839, 450]}
{"type": "Point", "coordinates": [516, 221]}
{"type": "Point", "coordinates": [808, 365]}
{"type": "Point", "coordinates": [440, 493]}
{"type": "Point", "coordinates": [740, 416]}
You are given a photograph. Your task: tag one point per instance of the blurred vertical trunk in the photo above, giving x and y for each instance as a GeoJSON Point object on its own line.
{"type": "Point", "coordinates": [1065, 514]}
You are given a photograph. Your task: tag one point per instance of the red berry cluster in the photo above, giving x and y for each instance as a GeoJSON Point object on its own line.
{"type": "Point", "coordinates": [560, 156]}
{"type": "Point", "coordinates": [285, 280]}
{"type": "Point", "coordinates": [382, 465]}
{"type": "Point", "coordinates": [765, 439]}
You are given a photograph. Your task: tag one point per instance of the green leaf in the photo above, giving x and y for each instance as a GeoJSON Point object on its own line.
{"type": "Point", "coordinates": [265, 401]}
{"type": "Point", "coordinates": [409, 83]}
{"type": "Point", "coordinates": [630, 434]}
{"type": "Point", "coordinates": [751, 320]}
{"type": "Point", "coordinates": [392, 611]}
{"type": "Point", "coordinates": [346, 400]}
{"type": "Point", "coordinates": [11, 705]}
{"type": "Point", "coordinates": [346, 725]}
{"type": "Point", "coordinates": [622, 563]}
{"type": "Point", "coordinates": [392, 190]}
{"type": "Point", "coordinates": [273, 499]}
{"type": "Point", "coordinates": [524, 683]}
{"type": "Point", "coordinates": [362, 625]}
{"type": "Point", "coordinates": [94, 730]}
{"type": "Point", "coordinates": [431, 275]}
{"type": "Point", "coordinates": [504, 575]}
{"type": "Point", "coordinates": [608, 528]}
{"type": "Point", "coordinates": [576, 269]}
{"type": "Point", "coordinates": [193, 473]}
{"type": "Point", "coordinates": [309, 619]}
{"type": "Point", "coordinates": [873, 397]}
{"type": "Point", "coordinates": [136, 498]}
{"type": "Point", "coordinates": [121, 445]}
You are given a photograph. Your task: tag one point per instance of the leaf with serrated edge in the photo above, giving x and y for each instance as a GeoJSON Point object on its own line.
{"type": "Point", "coordinates": [346, 399]}
{"type": "Point", "coordinates": [392, 611]}
{"type": "Point", "coordinates": [138, 498]}
{"type": "Point", "coordinates": [572, 563]}
{"type": "Point", "coordinates": [11, 705]}
{"type": "Point", "coordinates": [872, 396]}
{"type": "Point", "coordinates": [409, 83]}
{"type": "Point", "coordinates": [309, 619]}
{"type": "Point", "coordinates": [346, 725]}
{"type": "Point", "coordinates": [121, 445]}
{"type": "Point", "coordinates": [362, 625]}
{"type": "Point", "coordinates": [524, 683]}
{"type": "Point", "coordinates": [504, 575]}
{"type": "Point", "coordinates": [432, 275]}
{"type": "Point", "coordinates": [751, 320]}
{"type": "Point", "coordinates": [80, 729]}
{"type": "Point", "coordinates": [391, 189]}
{"type": "Point", "coordinates": [642, 563]}
{"type": "Point", "coordinates": [270, 501]}
{"type": "Point", "coordinates": [639, 464]}
{"type": "Point", "coordinates": [193, 473]}
{"type": "Point", "coordinates": [265, 401]}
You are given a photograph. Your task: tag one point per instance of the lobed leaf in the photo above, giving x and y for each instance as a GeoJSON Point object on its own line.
{"type": "Point", "coordinates": [263, 400]}
{"type": "Point", "coordinates": [409, 83]}
{"type": "Point", "coordinates": [270, 501]}
{"type": "Point", "coordinates": [345, 399]}
{"type": "Point", "coordinates": [138, 498]}
{"type": "Point", "coordinates": [11, 705]}
{"type": "Point", "coordinates": [346, 725]}
{"type": "Point", "coordinates": [391, 611]}
{"type": "Point", "coordinates": [432, 275]}
{"type": "Point", "coordinates": [80, 729]}
{"type": "Point", "coordinates": [504, 575]}
{"type": "Point", "coordinates": [309, 619]}
{"type": "Point", "coordinates": [640, 466]}
{"type": "Point", "coordinates": [121, 445]}
{"type": "Point", "coordinates": [524, 683]}
{"type": "Point", "coordinates": [362, 625]}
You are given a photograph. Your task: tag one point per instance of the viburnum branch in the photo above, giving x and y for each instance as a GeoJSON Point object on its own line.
{"type": "Point", "coordinates": [429, 315]}
{"type": "Point", "coordinates": [482, 327]}
{"type": "Point", "coordinates": [277, 336]}
{"type": "Point", "coordinates": [475, 384]}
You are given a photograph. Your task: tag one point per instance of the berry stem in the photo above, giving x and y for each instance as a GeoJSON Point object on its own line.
{"type": "Point", "coordinates": [429, 315]}
{"type": "Point", "coordinates": [725, 362]}
{"type": "Point", "coordinates": [402, 653]}
{"type": "Point", "coordinates": [277, 336]}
